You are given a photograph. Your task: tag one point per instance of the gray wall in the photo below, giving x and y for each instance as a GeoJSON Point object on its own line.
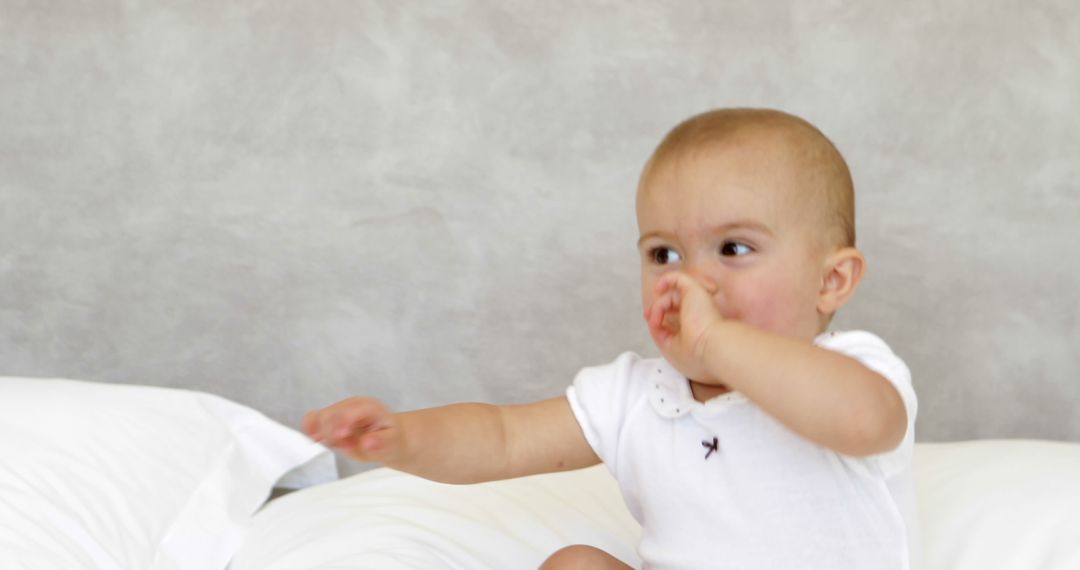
{"type": "Point", "coordinates": [291, 202]}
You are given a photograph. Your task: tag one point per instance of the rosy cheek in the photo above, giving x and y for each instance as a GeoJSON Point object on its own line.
{"type": "Point", "coordinates": [775, 314]}
{"type": "Point", "coordinates": [749, 305]}
{"type": "Point", "coordinates": [725, 306]}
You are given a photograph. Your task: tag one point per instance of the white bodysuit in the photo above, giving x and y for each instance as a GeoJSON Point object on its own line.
{"type": "Point", "coordinates": [722, 484]}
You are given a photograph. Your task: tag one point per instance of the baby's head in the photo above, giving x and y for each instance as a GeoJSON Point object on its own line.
{"type": "Point", "coordinates": [758, 206]}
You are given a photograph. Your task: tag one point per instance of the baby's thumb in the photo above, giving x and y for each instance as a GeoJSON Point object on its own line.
{"type": "Point", "coordinates": [377, 446]}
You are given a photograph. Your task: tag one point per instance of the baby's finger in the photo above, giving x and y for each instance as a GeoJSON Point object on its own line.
{"type": "Point", "coordinates": [357, 418]}
{"type": "Point", "coordinates": [660, 306]}
{"type": "Point", "coordinates": [656, 328]}
{"type": "Point", "coordinates": [310, 425]}
{"type": "Point", "coordinates": [664, 312]}
{"type": "Point", "coordinates": [676, 281]}
{"type": "Point", "coordinates": [666, 281]}
{"type": "Point", "coordinates": [339, 423]}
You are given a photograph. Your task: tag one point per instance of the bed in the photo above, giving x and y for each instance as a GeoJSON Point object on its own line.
{"type": "Point", "coordinates": [133, 477]}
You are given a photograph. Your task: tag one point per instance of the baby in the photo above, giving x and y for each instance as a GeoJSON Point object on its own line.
{"type": "Point", "coordinates": [759, 440]}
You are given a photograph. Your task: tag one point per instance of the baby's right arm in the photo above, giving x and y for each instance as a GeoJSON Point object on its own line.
{"type": "Point", "coordinates": [461, 443]}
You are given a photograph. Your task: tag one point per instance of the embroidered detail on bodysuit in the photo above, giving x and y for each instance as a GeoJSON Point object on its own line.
{"type": "Point", "coordinates": [714, 446]}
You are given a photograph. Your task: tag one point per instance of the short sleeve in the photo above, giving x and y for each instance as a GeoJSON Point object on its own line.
{"type": "Point", "coordinates": [873, 353]}
{"type": "Point", "coordinates": [600, 398]}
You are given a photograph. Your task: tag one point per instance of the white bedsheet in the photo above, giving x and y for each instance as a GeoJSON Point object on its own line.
{"type": "Point", "coordinates": [387, 519]}
{"type": "Point", "coordinates": [984, 505]}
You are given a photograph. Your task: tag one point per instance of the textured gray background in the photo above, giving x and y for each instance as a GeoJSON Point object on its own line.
{"type": "Point", "coordinates": [286, 203]}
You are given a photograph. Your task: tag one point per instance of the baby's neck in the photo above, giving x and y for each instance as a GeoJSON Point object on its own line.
{"type": "Point", "coordinates": [706, 392]}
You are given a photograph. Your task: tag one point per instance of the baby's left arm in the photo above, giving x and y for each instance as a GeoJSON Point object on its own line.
{"type": "Point", "coordinates": [827, 397]}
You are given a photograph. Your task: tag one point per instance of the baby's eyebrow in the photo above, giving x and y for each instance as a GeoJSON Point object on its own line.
{"type": "Point", "coordinates": [649, 236]}
{"type": "Point", "coordinates": [752, 225]}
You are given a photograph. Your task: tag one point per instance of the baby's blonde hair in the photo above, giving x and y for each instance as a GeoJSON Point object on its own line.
{"type": "Point", "coordinates": [821, 168]}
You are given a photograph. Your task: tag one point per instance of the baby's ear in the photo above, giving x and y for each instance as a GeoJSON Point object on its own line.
{"type": "Point", "coordinates": [841, 274]}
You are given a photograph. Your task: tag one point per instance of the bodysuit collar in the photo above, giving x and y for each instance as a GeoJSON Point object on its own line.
{"type": "Point", "coordinates": [671, 397]}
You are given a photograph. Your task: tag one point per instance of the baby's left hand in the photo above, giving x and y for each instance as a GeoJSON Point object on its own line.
{"type": "Point", "coordinates": [680, 320]}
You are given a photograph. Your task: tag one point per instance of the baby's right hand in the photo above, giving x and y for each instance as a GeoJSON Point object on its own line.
{"type": "Point", "coordinates": [362, 427]}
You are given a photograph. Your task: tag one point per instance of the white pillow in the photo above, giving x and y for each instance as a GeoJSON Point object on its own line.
{"type": "Point", "coordinates": [387, 519]}
{"type": "Point", "coordinates": [111, 476]}
{"type": "Point", "coordinates": [999, 504]}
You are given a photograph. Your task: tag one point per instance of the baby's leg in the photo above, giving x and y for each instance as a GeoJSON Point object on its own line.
{"type": "Point", "coordinates": [583, 557]}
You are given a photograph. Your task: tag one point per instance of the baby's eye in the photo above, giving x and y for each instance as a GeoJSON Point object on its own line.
{"type": "Point", "coordinates": [735, 249]}
{"type": "Point", "coordinates": [664, 255]}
